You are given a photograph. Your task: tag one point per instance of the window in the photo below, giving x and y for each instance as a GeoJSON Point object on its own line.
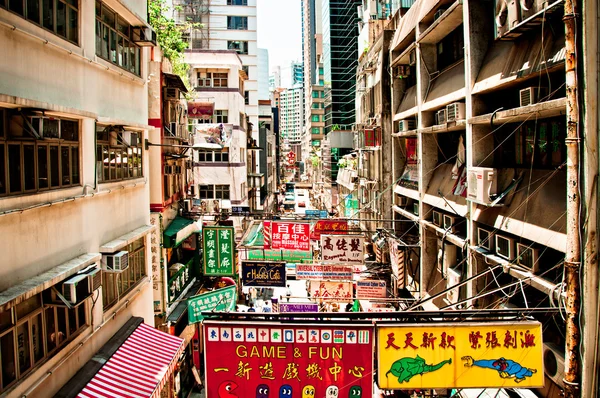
{"type": "Point", "coordinates": [33, 331]}
{"type": "Point", "coordinates": [237, 23]}
{"type": "Point", "coordinates": [214, 156]}
{"type": "Point", "coordinates": [57, 16]}
{"type": "Point", "coordinates": [214, 191]}
{"type": "Point", "coordinates": [316, 130]}
{"type": "Point", "coordinates": [113, 40]}
{"type": "Point", "coordinates": [116, 285]}
{"type": "Point", "coordinates": [222, 156]}
{"type": "Point", "coordinates": [220, 116]}
{"type": "Point", "coordinates": [237, 2]}
{"type": "Point", "coordinates": [241, 47]}
{"type": "Point", "coordinates": [118, 154]}
{"type": "Point", "coordinates": [321, 82]}
{"type": "Point", "coordinates": [31, 165]}
{"type": "Point", "coordinates": [451, 48]}
{"type": "Point", "coordinates": [205, 156]}
{"type": "Point", "coordinates": [212, 79]}
{"type": "Point", "coordinates": [221, 191]}
{"type": "Point", "coordinates": [315, 118]}
{"type": "Point", "coordinates": [315, 94]}
{"type": "Point", "coordinates": [247, 97]}
{"type": "Point", "coordinates": [246, 69]}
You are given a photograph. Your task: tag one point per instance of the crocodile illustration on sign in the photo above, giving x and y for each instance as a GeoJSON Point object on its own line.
{"type": "Point", "coordinates": [405, 368]}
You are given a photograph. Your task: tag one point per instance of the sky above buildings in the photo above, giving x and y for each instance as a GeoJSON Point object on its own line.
{"type": "Point", "coordinates": [280, 31]}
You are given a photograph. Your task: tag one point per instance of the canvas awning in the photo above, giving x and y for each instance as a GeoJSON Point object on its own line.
{"type": "Point", "coordinates": [172, 80]}
{"type": "Point", "coordinates": [179, 230]}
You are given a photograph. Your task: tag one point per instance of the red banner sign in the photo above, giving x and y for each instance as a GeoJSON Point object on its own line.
{"type": "Point", "coordinates": [200, 110]}
{"type": "Point", "coordinates": [290, 236]}
{"type": "Point", "coordinates": [329, 227]}
{"type": "Point", "coordinates": [287, 360]}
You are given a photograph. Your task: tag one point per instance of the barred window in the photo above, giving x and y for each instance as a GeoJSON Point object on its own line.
{"type": "Point", "coordinates": [118, 153]}
{"type": "Point", "coordinates": [116, 285]}
{"type": "Point", "coordinates": [212, 79]}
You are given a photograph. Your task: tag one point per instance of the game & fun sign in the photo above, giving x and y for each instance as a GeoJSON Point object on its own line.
{"type": "Point", "coordinates": [288, 360]}
{"type": "Point", "coordinates": [324, 271]}
{"type": "Point", "coordinates": [463, 355]}
{"type": "Point", "coordinates": [290, 236]}
{"type": "Point", "coordinates": [348, 249]}
{"type": "Point", "coordinates": [217, 246]}
{"type": "Point", "coordinates": [263, 274]}
{"type": "Point", "coordinates": [218, 300]}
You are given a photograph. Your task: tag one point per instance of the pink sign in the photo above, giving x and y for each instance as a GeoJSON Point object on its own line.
{"type": "Point", "coordinates": [290, 236]}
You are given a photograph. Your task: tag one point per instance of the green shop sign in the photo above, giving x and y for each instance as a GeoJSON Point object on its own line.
{"type": "Point", "coordinates": [280, 255]}
{"type": "Point", "coordinates": [220, 300]}
{"type": "Point", "coordinates": [179, 281]}
{"type": "Point", "coordinates": [217, 246]}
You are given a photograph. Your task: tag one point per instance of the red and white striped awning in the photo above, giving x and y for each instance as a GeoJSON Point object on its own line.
{"type": "Point", "coordinates": [139, 368]}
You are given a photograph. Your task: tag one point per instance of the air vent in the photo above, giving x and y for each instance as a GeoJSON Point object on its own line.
{"type": "Point", "coordinates": [406, 125]}
{"type": "Point", "coordinates": [116, 262]}
{"type": "Point", "coordinates": [437, 218]}
{"type": "Point", "coordinates": [455, 111]}
{"type": "Point", "coordinates": [505, 247]}
{"type": "Point", "coordinates": [532, 95]}
{"type": "Point", "coordinates": [440, 116]}
{"type": "Point", "coordinates": [485, 239]}
{"type": "Point", "coordinates": [527, 257]}
{"type": "Point", "coordinates": [450, 223]}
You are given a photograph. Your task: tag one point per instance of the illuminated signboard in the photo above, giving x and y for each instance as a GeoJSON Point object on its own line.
{"type": "Point", "coordinates": [465, 355]}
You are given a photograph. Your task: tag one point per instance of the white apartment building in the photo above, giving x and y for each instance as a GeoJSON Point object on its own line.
{"type": "Point", "coordinates": [74, 195]}
{"type": "Point", "coordinates": [292, 115]}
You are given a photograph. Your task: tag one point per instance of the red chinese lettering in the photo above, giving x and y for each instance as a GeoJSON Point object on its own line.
{"type": "Point", "coordinates": [447, 341]}
{"type": "Point", "coordinates": [491, 341]}
{"type": "Point", "coordinates": [390, 342]}
{"type": "Point", "coordinates": [408, 341]}
{"type": "Point", "coordinates": [474, 339]}
{"type": "Point", "coordinates": [509, 340]}
{"type": "Point", "coordinates": [428, 340]}
{"type": "Point", "coordinates": [528, 340]}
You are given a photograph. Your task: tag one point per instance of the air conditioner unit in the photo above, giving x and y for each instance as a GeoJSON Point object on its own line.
{"type": "Point", "coordinates": [531, 7]}
{"type": "Point", "coordinates": [455, 111]}
{"type": "Point", "coordinates": [402, 201]}
{"type": "Point", "coordinates": [440, 116]}
{"type": "Point", "coordinates": [412, 57]}
{"type": "Point", "coordinates": [532, 95]}
{"type": "Point", "coordinates": [439, 13]}
{"type": "Point", "coordinates": [416, 209]}
{"type": "Point", "coordinates": [437, 218]}
{"type": "Point", "coordinates": [94, 278]}
{"type": "Point", "coordinates": [171, 94]}
{"type": "Point", "coordinates": [187, 205]}
{"type": "Point", "coordinates": [505, 247]}
{"type": "Point", "coordinates": [507, 16]}
{"type": "Point", "coordinates": [116, 262]}
{"type": "Point", "coordinates": [527, 257]}
{"type": "Point", "coordinates": [485, 239]}
{"type": "Point", "coordinates": [481, 184]}
{"type": "Point", "coordinates": [143, 36]}
{"type": "Point", "coordinates": [452, 279]}
{"type": "Point", "coordinates": [406, 125]}
{"type": "Point", "coordinates": [450, 223]}
{"type": "Point", "coordinates": [554, 363]}
{"type": "Point", "coordinates": [402, 71]}
{"type": "Point", "coordinates": [75, 288]}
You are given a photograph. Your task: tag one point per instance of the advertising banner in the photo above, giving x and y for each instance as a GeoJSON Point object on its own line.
{"type": "Point", "coordinates": [461, 355]}
{"type": "Point", "coordinates": [263, 274]}
{"type": "Point", "coordinates": [343, 249]}
{"type": "Point", "coordinates": [290, 236]}
{"type": "Point", "coordinates": [329, 227]}
{"type": "Point", "coordinates": [371, 289]}
{"type": "Point", "coordinates": [298, 307]}
{"type": "Point", "coordinates": [324, 271]}
{"type": "Point", "coordinates": [288, 360]}
{"type": "Point", "coordinates": [280, 255]}
{"type": "Point", "coordinates": [218, 300]}
{"type": "Point", "coordinates": [217, 246]}
{"type": "Point", "coordinates": [342, 291]}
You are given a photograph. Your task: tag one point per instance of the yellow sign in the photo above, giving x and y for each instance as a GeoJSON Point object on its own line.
{"type": "Point", "coordinates": [465, 355]}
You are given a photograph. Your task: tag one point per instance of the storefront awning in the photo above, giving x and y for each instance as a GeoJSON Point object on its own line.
{"type": "Point", "coordinates": [179, 230]}
{"type": "Point", "coordinates": [140, 367]}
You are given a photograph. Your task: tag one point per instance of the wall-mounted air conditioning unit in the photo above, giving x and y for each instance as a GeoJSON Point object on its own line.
{"type": "Point", "coordinates": [187, 205]}
{"type": "Point", "coordinates": [402, 71]}
{"type": "Point", "coordinates": [455, 111]}
{"type": "Point", "coordinates": [531, 7]}
{"type": "Point", "coordinates": [94, 278]}
{"type": "Point", "coordinates": [75, 288]}
{"type": "Point", "coordinates": [416, 208]}
{"type": "Point", "coordinates": [505, 247]}
{"type": "Point", "coordinates": [406, 125]}
{"type": "Point", "coordinates": [450, 223]}
{"type": "Point", "coordinates": [440, 116]}
{"type": "Point", "coordinates": [481, 184]}
{"type": "Point", "coordinates": [452, 279]}
{"type": "Point", "coordinates": [143, 36]}
{"type": "Point", "coordinates": [171, 94]}
{"type": "Point", "coordinates": [437, 218]}
{"type": "Point", "coordinates": [507, 16]}
{"type": "Point", "coordinates": [402, 201]}
{"type": "Point", "coordinates": [554, 363]}
{"type": "Point", "coordinates": [115, 262]}
{"type": "Point", "coordinates": [528, 257]}
{"type": "Point", "coordinates": [485, 239]}
{"type": "Point", "coordinates": [532, 95]}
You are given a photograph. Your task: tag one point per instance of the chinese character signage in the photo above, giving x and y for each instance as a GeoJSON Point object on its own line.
{"type": "Point", "coordinates": [288, 360]}
{"type": "Point", "coordinates": [342, 291]}
{"type": "Point", "coordinates": [325, 271]}
{"type": "Point", "coordinates": [179, 281]}
{"type": "Point", "coordinates": [347, 249]}
{"type": "Point", "coordinates": [466, 355]}
{"type": "Point", "coordinates": [280, 255]}
{"type": "Point", "coordinates": [217, 245]}
{"type": "Point", "coordinates": [329, 227]}
{"type": "Point", "coordinates": [155, 259]}
{"type": "Point", "coordinates": [218, 300]}
{"type": "Point", "coordinates": [290, 236]}
{"type": "Point", "coordinates": [298, 307]}
{"type": "Point", "coordinates": [371, 289]}
{"type": "Point", "coordinates": [263, 273]}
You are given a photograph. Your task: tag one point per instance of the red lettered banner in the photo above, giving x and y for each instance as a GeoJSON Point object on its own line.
{"type": "Point", "coordinates": [329, 227]}
{"type": "Point", "coordinates": [287, 360]}
{"type": "Point", "coordinates": [290, 236]}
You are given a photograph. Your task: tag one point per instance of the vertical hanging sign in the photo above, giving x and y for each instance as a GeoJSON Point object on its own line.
{"type": "Point", "coordinates": [217, 246]}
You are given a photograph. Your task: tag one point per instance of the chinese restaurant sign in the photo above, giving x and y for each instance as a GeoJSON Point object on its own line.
{"type": "Point", "coordinates": [263, 273]}
{"type": "Point", "coordinates": [280, 255]}
{"type": "Point", "coordinates": [325, 271]}
{"type": "Point", "coordinates": [178, 282]}
{"type": "Point", "coordinates": [371, 289]}
{"type": "Point", "coordinates": [287, 360]}
{"type": "Point", "coordinates": [331, 290]}
{"type": "Point", "coordinates": [290, 236]}
{"type": "Point", "coordinates": [218, 300]}
{"type": "Point", "coordinates": [217, 246]}
{"type": "Point", "coordinates": [340, 249]}
{"type": "Point", "coordinates": [465, 355]}
{"type": "Point", "coordinates": [328, 227]}
{"type": "Point", "coordinates": [298, 307]}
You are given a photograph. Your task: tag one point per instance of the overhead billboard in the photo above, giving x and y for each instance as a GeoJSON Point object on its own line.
{"type": "Point", "coordinates": [218, 247]}
{"type": "Point", "coordinates": [290, 236]}
{"type": "Point", "coordinates": [288, 360]}
{"type": "Point", "coordinates": [343, 249]}
{"type": "Point", "coordinates": [329, 227]}
{"type": "Point", "coordinates": [368, 288]}
{"type": "Point", "coordinates": [324, 271]}
{"type": "Point", "coordinates": [217, 301]}
{"type": "Point", "coordinates": [263, 274]}
{"type": "Point", "coordinates": [460, 355]}
{"type": "Point", "coordinates": [341, 291]}
{"type": "Point", "coordinates": [298, 307]}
